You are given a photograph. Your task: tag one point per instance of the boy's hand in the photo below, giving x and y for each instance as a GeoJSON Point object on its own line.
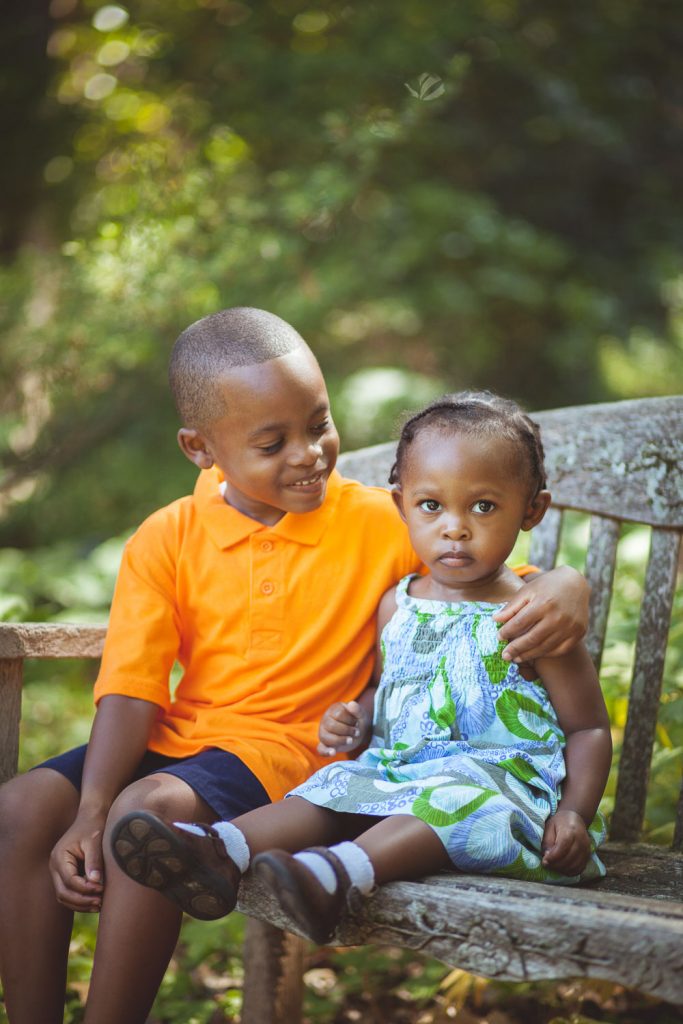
{"type": "Point", "coordinates": [343, 727]}
{"type": "Point", "coordinates": [547, 617]}
{"type": "Point", "coordinates": [566, 844]}
{"type": "Point", "coordinates": [76, 866]}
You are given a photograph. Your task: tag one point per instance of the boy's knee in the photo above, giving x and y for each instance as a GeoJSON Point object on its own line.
{"type": "Point", "coordinates": [35, 809]}
{"type": "Point", "coordinates": [148, 794]}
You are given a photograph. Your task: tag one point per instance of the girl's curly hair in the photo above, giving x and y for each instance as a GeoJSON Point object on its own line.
{"type": "Point", "coordinates": [477, 413]}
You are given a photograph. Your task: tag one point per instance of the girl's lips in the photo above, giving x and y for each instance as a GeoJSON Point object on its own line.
{"type": "Point", "coordinates": [455, 559]}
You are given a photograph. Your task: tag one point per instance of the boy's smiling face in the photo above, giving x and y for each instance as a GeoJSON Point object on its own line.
{"type": "Point", "coordinates": [276, 444]}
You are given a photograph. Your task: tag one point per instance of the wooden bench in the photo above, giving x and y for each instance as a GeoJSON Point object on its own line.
{"type": "Point", "coordinates": [620, 462]}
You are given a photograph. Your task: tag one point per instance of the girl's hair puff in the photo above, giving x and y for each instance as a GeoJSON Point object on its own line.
{"type": "Point", "coordinates": [477, 413]}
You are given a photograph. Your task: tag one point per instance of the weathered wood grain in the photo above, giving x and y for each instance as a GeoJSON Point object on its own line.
{"type": "Point", "coordinates": [641, 722]}
{"type": "Point", "coordinates": [11, 674]}
{"type": "Point", "coordinates": [517, 931]}
{"type": "Point", "coordinates": [678, 825]}
{"type": "Point", "coordinates": [273, 968]}
{"type": "Point", "coordinates": [50, 640]}
{"type": "Point", "coordinates": [618, 458]}
{"type": "Point", "coordinates": [545, 540]}
{"type": "Point", "coordinates": [600, 562]}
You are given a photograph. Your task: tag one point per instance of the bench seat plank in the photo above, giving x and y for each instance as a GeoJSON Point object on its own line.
{"type": "Point", "coordinates": [523, 931]}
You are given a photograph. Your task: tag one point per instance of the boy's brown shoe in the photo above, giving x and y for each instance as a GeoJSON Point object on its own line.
{"type": "Point", "coordinates": [299, 892]}
{"type": "Point", "coordinates": [193, 871]}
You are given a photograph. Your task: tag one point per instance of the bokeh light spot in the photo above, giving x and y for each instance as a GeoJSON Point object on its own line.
{"type": "Point", "coordinates": [152, 117]}
{"type": "Point", "coordinates": [60, 42]}
{"type": "Point", "coordinates": [58, 169]}
{"type": "Point", "coordinates": [109, 18]}
{"type": "Point", "coordinates": [311, 22]}
{"type": "Point", "coordinates": [99, 87]}
{"type": "Point", "coordinates": [112, 53]}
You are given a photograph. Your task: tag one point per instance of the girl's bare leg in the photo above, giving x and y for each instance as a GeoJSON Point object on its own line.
{"type": "Point", "coordinates": [399, 847]}
{"type": "Point", "coordinates": [35, 811]}
{"type": "Point", "coordinates": [292, 825]}
{"type": "Point", "coordinates": [138, 927]}
{"type": "Point", "coordinates": [402, 847]}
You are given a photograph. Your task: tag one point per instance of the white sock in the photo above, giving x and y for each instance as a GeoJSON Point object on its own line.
{"type": "Point", "coordinates": [358, 865]}
{"type": "Point", "coordinates": [319, 867]}
{"type": "Point", "coordinates": [235, 843]}
{"type": "Point", "coordinates": [233, 840]}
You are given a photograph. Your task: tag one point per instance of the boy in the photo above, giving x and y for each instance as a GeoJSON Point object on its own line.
{"type": "Point", "coordinates": [252, 585]}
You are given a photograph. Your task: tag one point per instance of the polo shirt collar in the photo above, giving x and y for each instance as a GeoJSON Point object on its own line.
{"type": "Point", "coordinates": [227, 527]}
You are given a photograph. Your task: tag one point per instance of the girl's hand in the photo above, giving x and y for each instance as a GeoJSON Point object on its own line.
{"type": "Point", "coordinates": [547, 617]}
{"type": "Point", "coordinates": [343, 727]}
{"type": "Point", "coordinates": [566, 844]}
{"type": "Point", "coordinates": [76, 866]}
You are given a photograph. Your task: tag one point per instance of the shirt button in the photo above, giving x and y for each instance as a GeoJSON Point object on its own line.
{"type": "Point", "coordinates": [267, 545]}
{"type": "Point", "coordinates": [267, 587]}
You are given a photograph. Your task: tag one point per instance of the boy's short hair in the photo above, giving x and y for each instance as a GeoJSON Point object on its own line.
{"type": "Point", "coordinates": [240, 336]}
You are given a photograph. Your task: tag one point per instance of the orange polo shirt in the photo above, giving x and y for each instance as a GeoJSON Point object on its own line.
{"type": "Point", "coordinates": [271, 624]}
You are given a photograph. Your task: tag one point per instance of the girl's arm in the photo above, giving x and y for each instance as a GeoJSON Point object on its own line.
{"type": "Point", "coordinates": [117, 743]}
{"type": "Point", "coordinates": [574, 690]}
{"type": "Point", "coordinates": [547, 617]}
{"type": "Point", "coordinates": [346, 726]}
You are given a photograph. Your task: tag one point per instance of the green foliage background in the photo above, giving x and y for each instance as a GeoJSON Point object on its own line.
{"type": "Point", "coordinates": [481, 193]}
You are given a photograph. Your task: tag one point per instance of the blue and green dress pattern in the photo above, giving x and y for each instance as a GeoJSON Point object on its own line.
{"type": "Point", "coordinates": [461, 740]}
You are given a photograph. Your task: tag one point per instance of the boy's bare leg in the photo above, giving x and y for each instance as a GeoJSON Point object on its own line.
{"type": "Point", "coordinates": [35, 810]}
{"type": "Point", "coordinates": [138, 927]}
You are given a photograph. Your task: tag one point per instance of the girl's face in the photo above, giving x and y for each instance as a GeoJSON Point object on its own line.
{"type": "Point", "coordinates": [464, 500]}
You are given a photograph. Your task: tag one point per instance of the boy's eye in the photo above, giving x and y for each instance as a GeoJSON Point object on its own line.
{"type": "Point", "coordinates": [320, 428]}
{"type": "Point", "coordinates": [270, 449]}
{"type": "Point", "coordinates": [430, 505]}
{"type": "Point", "coordinates": [483, 507]}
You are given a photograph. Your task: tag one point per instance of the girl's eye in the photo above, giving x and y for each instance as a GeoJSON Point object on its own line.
{"type": "Point", "coordinates": [320, 428]}
{"type": "Point", "coordinates": [483, 507]}
{"type": "Point", "coordinates": [430, 505]}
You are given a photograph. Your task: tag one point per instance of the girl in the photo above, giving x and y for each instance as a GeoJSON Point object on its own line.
{"type": "Point", "coordinates": [473, 763]}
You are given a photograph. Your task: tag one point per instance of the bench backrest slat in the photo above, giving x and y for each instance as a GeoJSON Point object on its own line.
{"type": "Point", "coordinates": [646, 687]}
{"type": "Point", "coordinates": [545, 540]}
{"type": "Point", "coordinates": [51, 640]}
{"type": "Point", "coordinates": [600, 563]}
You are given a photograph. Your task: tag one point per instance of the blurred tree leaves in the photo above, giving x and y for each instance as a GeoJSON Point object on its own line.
{"type": "Point", "coordinates": [483, 194]}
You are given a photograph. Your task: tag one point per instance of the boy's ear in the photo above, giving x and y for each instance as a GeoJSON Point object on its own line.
{"type": "Point", "coordinates": [536, 509]}
{"type": "Point", "coordinates": [193, 446]}
{"type": "Point", "coordinates": [397, 495]}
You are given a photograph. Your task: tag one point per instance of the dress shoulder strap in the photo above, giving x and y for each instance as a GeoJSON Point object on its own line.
{"type": "Point", "coordinates": [403, 598]}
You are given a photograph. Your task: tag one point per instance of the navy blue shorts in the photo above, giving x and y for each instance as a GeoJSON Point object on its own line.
{"type": "Point", "coordinates": [218, 777]}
